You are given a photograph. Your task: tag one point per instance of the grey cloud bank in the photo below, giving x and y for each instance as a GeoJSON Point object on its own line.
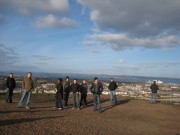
{"type": "Point", "coordinates": [137, 17]}
{"type": "Point", "coordinates": [135, 23]}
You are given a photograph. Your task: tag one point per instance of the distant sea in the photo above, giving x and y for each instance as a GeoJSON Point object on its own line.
{"type": "Point", "coordinates": [102, 77]}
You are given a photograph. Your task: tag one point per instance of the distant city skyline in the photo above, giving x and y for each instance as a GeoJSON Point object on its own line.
{"type": "Point", "coordinates": [114, 37]}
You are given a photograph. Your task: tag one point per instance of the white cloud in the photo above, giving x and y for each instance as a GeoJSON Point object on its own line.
{"type": "Point", "coordinates": [95, 50]}
{"type": "Point", "coordinates": [120, 61]}
{"type": "Point", "coordinates": [50, 21]}
{"type": "Point", "coordinates": [154, 65]}
{"type": "Point", "coordinates": [44, 13]}
{"type": "Point", "coordinates": [34, 7]}
{"type": "Point", "coordinates": [136, 17]}
{"type": "Point", "coordinates": [150, 68]}
{"type": "Point", "coordinates": [160, 64]}
{"type": "Point", "coordinates": [88, 43]}
{"type": "Point", "coordinates": [135, 23]}
{"type": "Point", "coordinates": [123, 41]}
{"type": "Point", "coordinates": [42, 57]}
{"type": "Point", "coordinates": [92, 46]}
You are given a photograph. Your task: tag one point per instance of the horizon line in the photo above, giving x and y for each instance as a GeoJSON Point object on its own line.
{"type": "Point", "coordinates": [90, 74]}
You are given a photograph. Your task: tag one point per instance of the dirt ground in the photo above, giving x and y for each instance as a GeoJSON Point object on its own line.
{"type": "Point", "coordinates": [128, 117]}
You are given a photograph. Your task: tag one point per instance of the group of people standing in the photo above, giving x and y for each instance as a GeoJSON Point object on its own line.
{"type": "Point", "coordinates": [63, 89]}
{"type": "Point", "coordinates": [79, 93]}
{"type": "Point", "coordinates": [27, 86]}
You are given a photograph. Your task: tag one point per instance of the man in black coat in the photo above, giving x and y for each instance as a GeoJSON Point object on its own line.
{"type": "Point", "coordinates": [154, 87]}
{"type": "Point", "coordinates": [11, 84]}
{"type": "Point", "coordinates": [75, 89]}
{"type": "Point", "coordinates": [59, 94]}
{"type": "Point", "coordinates": [84, 91]}
{"type": "Point", "coordinates": [97, 88]}
{"type": "Point", "coordinates": [112, 87]}
{"type": "Point", "coordinates": [66, 88]}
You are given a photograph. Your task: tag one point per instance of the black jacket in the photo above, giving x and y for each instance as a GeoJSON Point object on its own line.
{"type": "Point", "coordinates": [67, 86]}
{"type": "Point", "coordinates": [75, 88]}
{"type": "Point", "coordinates": [112, 86]}
{"type": "Point", "coordinates": [96, 88]}
{"type": "Point", "coordinates": [154, 88]}
{"type": "Point", "coordinates": [84, 89]}
{"type": "Point", "coordinates": [11, 83]}
{"type": "Point", "coordinates": [59, 88]}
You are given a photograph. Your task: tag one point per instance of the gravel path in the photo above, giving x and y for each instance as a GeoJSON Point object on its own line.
{"type": "Point", "coordinates": [129, 117]}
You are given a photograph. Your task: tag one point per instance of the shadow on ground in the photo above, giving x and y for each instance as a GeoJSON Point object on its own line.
{"type": "Point", "coordinates": [24, 120]}
{"type": "Point", "coordinates": [121, 102]}
{"type": "Point", "coordinates": [33, 109]}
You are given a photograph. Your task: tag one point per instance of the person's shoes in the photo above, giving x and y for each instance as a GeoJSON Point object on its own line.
{"type": "Point", "coordinates": [60, 109]}
{"type": "Point", "coordinates": [78, 109]}
{"type": "Point", "coordinates": [100, 111]}
{"type": "Point", "coordinates": [84, 106]}
{"type": "Point", "coordinates": [27, 107]}
{"type": "Point", "coordinates": [73, 108]}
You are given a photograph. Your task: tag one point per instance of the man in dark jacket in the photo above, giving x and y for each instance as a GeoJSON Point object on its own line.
{"type": "Point", "coordinates": [96, 89]}
{"type": "Point", "coordinates": [75, 88]}
{"type": "Point", "coordinates": [84, 91]}
{"type": "Point", "coordinates": [112, 87]}
{"type": "Point", "coordinates": [11, 84]}
{"type": "Point", "coordinates": [59, 94]}
{"type": "Point", "coordinates": [154, 87]}
{"type": "Point", "coordinates": [66, 88]}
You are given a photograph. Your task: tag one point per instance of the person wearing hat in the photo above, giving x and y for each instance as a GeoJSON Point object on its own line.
{"type": "Point", "coordinates": [59, 94]}
{"type": "Point", "coordinates": [66, 88]}
{"type": "Point", "coordinates": [96, 88]}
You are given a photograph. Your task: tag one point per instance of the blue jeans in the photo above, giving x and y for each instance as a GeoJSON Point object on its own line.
{"type": "Point", "coordinates": [24, 95]}
{"type": "Point", "coordinates": [153, 97]}
{"type": "Point", "coordinates": [113, 97]}
{"type": "Point", "coordinates": [75, 97]}
{"type": "Point", "coordinates": [97, 100]}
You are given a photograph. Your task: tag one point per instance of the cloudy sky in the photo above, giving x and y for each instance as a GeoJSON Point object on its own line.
{"type": "Point", "coordinates": [119, 37]}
